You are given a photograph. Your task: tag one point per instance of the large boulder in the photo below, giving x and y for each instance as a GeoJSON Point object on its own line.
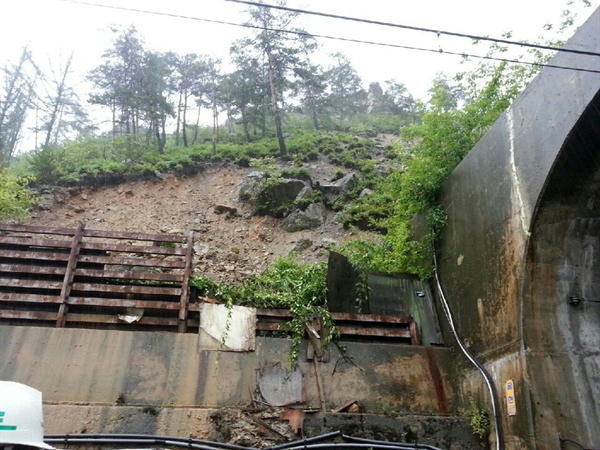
{"type": "Point", "coordinates": [299, 220]}
{"type": "Point", "coordinates": [336, 190]}
{"type": "Point", "coordinates": [275, 197]}
{"type": "Point", "coordinates": [251, 185]}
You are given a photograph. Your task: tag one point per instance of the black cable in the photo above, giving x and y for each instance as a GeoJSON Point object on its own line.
{"type": "Point", "coordinates": [413, 28]}
{"type": "Point", "coordinates": [359, 41]}
{"type": "Point", "coordinates": [486, 375]}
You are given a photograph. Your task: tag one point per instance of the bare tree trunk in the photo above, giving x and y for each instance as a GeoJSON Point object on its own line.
{"type": "Point", "coordinates": [245, 125]}
{"type": "Point", "coordinates": [185, 140]}
{"type": "Point", "coordinates": [315, 113]}
{"type": "Point", "coordinates": [215, 119]}
{"type": "Point", "coordinates": [57, 103]}
{"type": "Point", "coordinates": [197, 126]}
{"type": "Point", "coordinates": [179, 106]}
{"type": "Point", "coordinates": [276, 111]}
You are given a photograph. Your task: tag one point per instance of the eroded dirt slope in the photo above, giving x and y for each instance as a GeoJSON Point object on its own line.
{"type": "Point", "coordinates": [228, 248]}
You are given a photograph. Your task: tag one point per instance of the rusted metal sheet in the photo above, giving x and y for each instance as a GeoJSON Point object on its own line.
{"type": "Point", "coordinates": [69, 274]}
{"type": "Point", "coordinates": [125, 235]}
{"type": "Point", "coordinates": [33, 270]}
{"type": "Point", "coordinates": [31, 284]}
{"type": "Point", "coordinates": [127, 248]}
{"type": "Point", "coordinates": [122, 303]}
{"type": "Point", "coordinates": [145, 262]}
{"type": "Point", "coordinates": [280, 386]}
{"type": "Point", "coordinates": [128, 275]}
{"type": "Point", "coordinates": [28, 298]}
{"type": "Point", "coordinates": [185, 290]}
{"type": "Point", "coordinates": [371, 318]}
{"type": "Point", "coordinates": [91, 318]}
{"type": "Point", "coordinates": [227, 329]}
{"type": "Point", "coordinates": [126, 289]}
{"type": "Point", "coordinates": [30, 255]}
{"type": "Point", "coordinates": [41, 243]}
{"type": "Point", "coordinates": [74, 271]}
{"type": "Point", "coordinates": [27, 315]}
{"type": "Point", "coordinates": [36, 229]}
{"type": "Point", "coordinates": [379, 332]}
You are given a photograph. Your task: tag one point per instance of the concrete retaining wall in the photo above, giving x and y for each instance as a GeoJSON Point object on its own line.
{"type": "Point", "coordinates": [159, 369]}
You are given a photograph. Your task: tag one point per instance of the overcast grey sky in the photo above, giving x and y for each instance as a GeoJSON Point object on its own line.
{"type": "Point", "coordinates": [54, 28]}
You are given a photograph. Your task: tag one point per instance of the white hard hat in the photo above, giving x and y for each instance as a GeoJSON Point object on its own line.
{"type": "Point", "coordinates": [21, 415]}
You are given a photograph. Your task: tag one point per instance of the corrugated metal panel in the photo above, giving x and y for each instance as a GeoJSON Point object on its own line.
{"type": "Point", "coordinates": [280, 386]}
{"type": "Point", "coordinates": [405, 294]}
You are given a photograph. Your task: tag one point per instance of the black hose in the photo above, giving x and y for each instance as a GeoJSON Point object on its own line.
{"type": "Point", "coordinates": [372, 441]}
{"type": "Point", "coordinates": [488, 378]}
{"type": "Point", "coordinates": [307, 440]}
{"type": "Point", "coordinates": [309, 443]}
{"type": "Point", "coordinates": [103, 438]}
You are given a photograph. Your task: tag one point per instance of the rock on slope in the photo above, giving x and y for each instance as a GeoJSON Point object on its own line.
{"type": "Point", "coordinates": [227, 247]}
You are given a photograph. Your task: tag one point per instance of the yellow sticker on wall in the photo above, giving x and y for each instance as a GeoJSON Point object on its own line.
{"type": "Point", "coordinates": [511, 406]}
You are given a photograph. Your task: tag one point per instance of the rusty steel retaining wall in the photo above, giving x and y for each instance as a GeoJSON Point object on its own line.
{"type": "Point", "coordinates": [522, 236]}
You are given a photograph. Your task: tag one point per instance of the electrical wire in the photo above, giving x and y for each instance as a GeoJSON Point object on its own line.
{"type": "Point", "coordinates": [487, 377]}
{"type": "Point", "coordinates": [337, 38]}
{"type": "Point", "coordinates": [413, 28]}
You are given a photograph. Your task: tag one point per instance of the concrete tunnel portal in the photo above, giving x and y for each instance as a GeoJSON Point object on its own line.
{"type": "Point", "coordinates": [563, 264]}
{"type": "Point", "coordinates": [519, 257]}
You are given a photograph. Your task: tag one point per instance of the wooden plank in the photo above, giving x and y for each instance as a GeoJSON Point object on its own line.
{"type": "Point", "coordinates": [28, 315]}
{"type": "Point", "coordinates": [274, 312]}
{"type": "Point", "coordinates": [373, 332]}
{"type": "Point", "coordinates": [185, 287]}
{"type": "Point", "coordinates": [93, 318]}
{"type": "Point", "coordinates": [414, 334]}
{"type": "Point", "coordinates": [33, 270]}
{"type": "Point", "coordinates": [41, 243]}
{"type": "Point", "coordinates": [35, 256]}
{"type": "Point", "coordinates": [69, 274]}
{"type": "Point", "coordinates": [370, 318]}
{"type": "Point", "coordinates": [146, 262]}
{"type": "Point", "coordinates": [123, 303]}
{"type": "Point", "coordinates": [128, 248]}
{"type": "Point", "coordinates": [28, 298]}
{"type": "Point", "coordinates": [127, 235]}
{"type": "Point", "coordinates": [36, 229]}
{"type": "Point", "coordinates": [126, 289]}
{"type": "Point", "coordinates": [30, 284]}
{"type": "Point", "coordinates": [128, 275]}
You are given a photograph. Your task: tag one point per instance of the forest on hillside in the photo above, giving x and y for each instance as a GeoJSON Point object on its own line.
{"type": "Point", "coordinates": [276, 102]}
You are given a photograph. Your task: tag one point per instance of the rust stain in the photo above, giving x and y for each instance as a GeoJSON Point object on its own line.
{"type": "Point", "coordinates": [436, 376]}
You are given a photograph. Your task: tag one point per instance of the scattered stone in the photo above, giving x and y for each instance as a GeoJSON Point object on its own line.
{"type": "Point", "coordinates": [302, 244]}
{"type": "Point", "coordinates": [365, 192]}
{"type": "Point", "coordinates": [328, 242]}
{"type": "Point", "coordinates": [311, 218]}
{"type": "Point", "coordinates": [250, 184]}
{"type": "Point", "coordinates": [220, 209]}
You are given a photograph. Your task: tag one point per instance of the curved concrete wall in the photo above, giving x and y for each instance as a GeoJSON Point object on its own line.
{"type": "Point", "coordinates": [522, 235]}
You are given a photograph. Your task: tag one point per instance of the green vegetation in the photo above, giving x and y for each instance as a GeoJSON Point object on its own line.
{"type": "Point", "coordinates": [15, 198]}
{"type": "Point", "coordinates": [327, 113]}
{"type": "Point", "coordinates": [286, 284]}
{"type": "Point", "coordinates": [478, 419]}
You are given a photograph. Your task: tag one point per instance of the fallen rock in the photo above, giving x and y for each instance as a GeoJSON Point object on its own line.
{"type": "Point", "coordinates": [302, 244]}
{"type": "Point", "coordinates": [220, 209]}
{"type": "Point", "coordinates": [312, 217]}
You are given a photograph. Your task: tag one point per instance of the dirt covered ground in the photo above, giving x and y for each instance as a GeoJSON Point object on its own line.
{"type": "Point", "coordinates": [227, 247]}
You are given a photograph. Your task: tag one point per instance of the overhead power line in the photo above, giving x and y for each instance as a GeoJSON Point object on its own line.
{"type": "Point", "coordinates": [337, 38]}
{"type": "Point", "coordinates": [413, 28]}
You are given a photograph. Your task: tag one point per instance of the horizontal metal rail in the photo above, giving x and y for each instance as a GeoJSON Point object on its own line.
{"type": "Point", "coordinates": [74, 276]}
